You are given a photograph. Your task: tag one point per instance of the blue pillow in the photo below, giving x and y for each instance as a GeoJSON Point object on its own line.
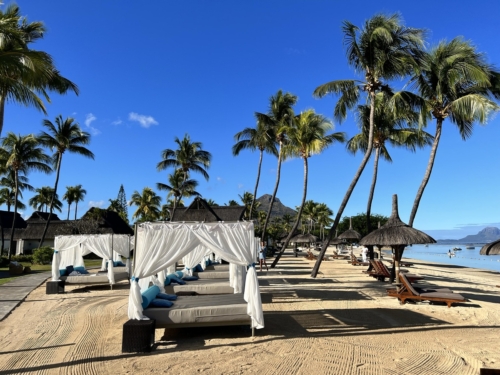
{"type": "Point", "coordinates": [62, 272]}
{"type": "Point", "coordinates": [149, 295]}
{"type": "Point", "coordinates": [158, 302]}
{"type": "Point", "coordinates": [69, 269]}
{"type": "Point", "coordinates": [170, 297]}
{"type": "Point", "coordinates": [82, 270]}
{"type": "Point", "coordinates": [167, 281]}
{"type": "Point", "coordinates": [174, 279]}
{"type": "Point", "coordinates": [118, 264]}
{"type": "Point", "coordinates": [179, 274]}
{"type": "Point", "coordinates": [198, 268]}
{"type": "Point", "coordinates": [190, 278]}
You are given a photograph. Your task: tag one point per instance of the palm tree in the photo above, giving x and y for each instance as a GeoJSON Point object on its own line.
{"type": "Point", "coordinates": [260, 138]}
{"type": "Point", "coordinates": [9, 181]}
{"type": "Point", "coordinates": [66, 135]}
{"type": "Point", "coordinates": [78, 196]}
{"type": "Point", "coordinates": [455, 83]}
{"type": "Point", "coordinates": [179, 187]}
{"type": "Point", "coordinates": [307, 136]}
{"type": "Point", "coordinates": [278, 117]}
{"type": "Point", "coordinates": [287, 220]}
{"type": "Point", "coordinates": [382, 50]}
{"type": "Point", "coordinates": [211, 203]}
{"type": "Point", "coordinates": [68, 197]}
{"type": "Point", "coordinates": [165, 213]}
{"type": "Point", "coordinates": [26, 74]}
{"type": "Point", "coordinates": [189, 157]}
{"type": "Point", "coordinates": [22, 154]}
{"type": "Point", "coordinates": [400, 130]}
{"type": "Point", "coordinates": [43, 198]}
{"type": "Point", "coordinates": [232, 202]}
{"type": "Point", "coordinates": [114, 205]}
{"type": "Point", "coordinates": [323, 219]}
{"type": "Point", "coordinates": [148, 205]}
{"type": "Point", "coordinates": [248, 201]}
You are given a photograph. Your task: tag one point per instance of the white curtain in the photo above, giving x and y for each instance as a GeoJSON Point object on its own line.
{"type": "Point", "coordinates": [101, 245]}
{"type": "Point", "coordinates": [161, 245]}
{"type": "Point", "coordinates": [67, 251]}
{"type": "Point", "coordinates": [193, 258]}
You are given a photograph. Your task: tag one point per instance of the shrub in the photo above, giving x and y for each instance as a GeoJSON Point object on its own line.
{"type": "Point", "coordinates": [4, 262]}
{"type": "Point", "coordinates": [23, 258]}
{"type": "Point", "coordinates": [43, 255]}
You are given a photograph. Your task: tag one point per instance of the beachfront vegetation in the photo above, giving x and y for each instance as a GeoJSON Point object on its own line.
{"type": "Point", "coordinates": [278, 116]}
{"type": "Point", "coordinates": [456, 83]}
{"type": "Point", "coordinates": [382, 50]}
{"type": "Point", "coordinates": [64, 136]}
{"type": "Point", "coordinates": [359, 223]}
{"type": "Point", "coordinates": [7, 194]}
{"type": "Point", "coordinates": [307, 136]}
{"type": "Point", "coordinates": [251, 208]}
{"type": "Point", "coordinates": [148, 205]}
{"type": "Point", "coordinates": [26, 75]}
{"type": "Point", "coordinates": [43, 198]}
{"type": "Point", "coordinates": [179, 187]}
{"type": "Point", "coordinates": [260, 138]}
{"type": "Point", "coordinates": [74, 194]}
{"type": "Point", "coordinates": [313, 214]}
{"type": "Point", "coordinates": [188, 157]}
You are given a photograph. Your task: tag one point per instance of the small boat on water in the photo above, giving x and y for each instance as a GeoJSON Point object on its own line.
{"type": "Point", "coordinates": [470, 247]}
{"type": "Point", "coordinates": [457, 249]}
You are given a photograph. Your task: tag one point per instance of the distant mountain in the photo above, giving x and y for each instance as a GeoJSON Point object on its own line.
{"type": "Point", "coordinates": [488, 234]}
{"type": "Point", "coordinates": [279, 209]}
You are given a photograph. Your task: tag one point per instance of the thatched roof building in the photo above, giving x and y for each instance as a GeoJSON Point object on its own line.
{"type": "Point", "coordinates": [6, 218]}
{"type": "Point", "coordinates": [199, 210]}
{"type": "Point", "coordinates": [492, 248]}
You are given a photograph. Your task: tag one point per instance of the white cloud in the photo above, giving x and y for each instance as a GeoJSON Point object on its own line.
{"type": "Point", "coordinates": [117, 122]}
{"type": "Point", "coordinates": [221, 180]}
{"type": "Point", "coordinates": [143, 120]}
{"type": "Point", "coordinates": [89, 119]}
{"type": "Point", "coordinates": [97, 204]}
{"type": "Point", "coordinates": [240, 186]}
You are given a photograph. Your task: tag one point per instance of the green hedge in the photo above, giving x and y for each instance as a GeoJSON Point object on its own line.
{"type": "Point", "coordinates": [23, 258]}
{"type": "Point", "coordinates": [43, 255]}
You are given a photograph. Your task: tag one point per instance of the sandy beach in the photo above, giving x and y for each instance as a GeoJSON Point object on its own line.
{"type": "Point", "coordinates": [339, 323]}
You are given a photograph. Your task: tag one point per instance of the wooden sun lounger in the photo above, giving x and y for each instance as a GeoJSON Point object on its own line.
{"type": "Point", "coordinates": [387, 273]}
{"type": "Point", "coordinates": [410, 293]}
{"type": "Point", "coordinates": [356, 262]}
{"type": "Point", "coordinates": [401, 263]}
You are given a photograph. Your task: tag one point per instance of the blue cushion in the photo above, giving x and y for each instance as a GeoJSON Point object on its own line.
{"type": "Point", "coordinates": [198, 268]}
{"type": "Point", "coordinates": [158, 302]}
{"type": "Point", "coordinates": [190, 278]}
{"type": "Point", "coordinates": [118, 264]}
{"type": "Point", "coordinates": [149, 295]}
{"type": "Point", "coordinates": [69, 269]}
{"type": "Point", "coordinates": [170, 297]}
{"type": "Point", "coordinates": [174, 279]}
{"type": "Point", "coordinates": [82, 270]}
{"type": "Point", "coordinates": [167, 281]}
{"type": "Point", "coordinates": [62, 272]}
{"type": "Point", "coordinates": [179, 274]}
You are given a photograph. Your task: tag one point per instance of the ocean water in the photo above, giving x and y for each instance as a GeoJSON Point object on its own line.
{"type": "Point", "coordinates": [466, 258]}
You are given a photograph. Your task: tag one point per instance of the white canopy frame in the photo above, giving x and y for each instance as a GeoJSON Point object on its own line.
{"type": "Point", "coordinates": [160, 245]}
{"type": "Point", "coordinates": [73, 248]}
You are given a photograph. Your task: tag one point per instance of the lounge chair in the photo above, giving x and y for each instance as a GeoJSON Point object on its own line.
{"type": "Point", "coordinates": [356, 262]}
{"type": "Point", "coordinates": [410, 293]}
{"type": "Point", "coordinates": [387, 273]}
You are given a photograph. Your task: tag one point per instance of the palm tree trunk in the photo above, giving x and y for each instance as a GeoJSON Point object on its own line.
{"type": "Point", "coordinates": [2, 112]}
{"type": "Point", "coordinates": [11, 243]}
{"type": "Point", "coordinates": [69, 206]}
{"type": "Point", "coordinates": [274, 196]}
{"type": "Point", "coordinates": [370, 200]}
{"type": "Point", "coordinates": [428, 171]}
{"type": "Point", "coordinates": [76, 208]}
{"type": "Point", "coordinates": [256, 184]}
{"type": "Point", "coordinates": [174, 208]}
{"type": "Point", "coordinates": [297, 221]}
{"type": "Point", "coordinates": [350, 189]}
{"type": "Point", "coordinates": [59, 159]}
{"type": "Point", "coordinates": [3, 242]}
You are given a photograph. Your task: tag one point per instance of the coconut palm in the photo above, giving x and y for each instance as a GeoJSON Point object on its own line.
{"type": "Point", "coordinates": [148, 205]}
{"type": "Point", "coordinates": [249, 202]}
{"type": "Point", "coordinates": [114, 205]}
{"type": "Point", "coordinates": [189, 157]}
{"type": "Point", "coordinates": [323, 219]}
{"type": "Point", "coordinates": [307, 136]}
{"type": "Point", "coordinates": [179, 187]}
{"type": "Point", "coordinates": [78, 196]}
{"type": "Point", "coordinates": [22, 154]}
{"type": "Point", "coordinates": [211, 203]}
{"type": "Point", "coordinates": [382, 50]}
{"type": "Point", "coordinates": [260, 138]}
{"type": "Point", "coordinates": [287, 220]}
{"type": "Point", "coordinates": [455, 83]}
{"type": "Point", "coordinates": [43, 198]}
{"type": "Point", "coordinates": [232, 202]}
{"type": "Point", "coordinates": [26, 75]}
{"type": "Point", "coordinates": [399, 130]}
{"type": "Point", "coordinates": [9, 181]}
{"type": "Point", "coordinates": [65, 135]}
{"type": "Point", "coordinates": [68, 197]}
{"type": "Point", "coordinates": [278, 116]}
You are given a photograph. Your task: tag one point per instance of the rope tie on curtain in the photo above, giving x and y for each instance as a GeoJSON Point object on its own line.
{"type": "Point", "coordinates": [56, 252]}
{"type": "Point", "coordinates": [188, 268]}
{"type": "Point", "coordinates": [251, 265]}
{"type": "Point", "coordinates": [135, 279]}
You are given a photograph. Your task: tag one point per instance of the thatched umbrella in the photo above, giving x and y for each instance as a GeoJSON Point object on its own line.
{"type": "Point", "coordinates": [492, 248]}
{"type": "Point", "coordinates": [350, 235]}
{"type": "Point", "coordinates": [304, 238]}
{"type": "Point", "coordinates": [396, 234]}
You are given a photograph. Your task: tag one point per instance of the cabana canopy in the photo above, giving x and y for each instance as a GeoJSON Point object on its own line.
{"type": "Point", "coordinates": [69, 250]}
{"type": "Point", "coordinates": [160, 245]}
{"type": "Point", "coordinates": [492, 248]}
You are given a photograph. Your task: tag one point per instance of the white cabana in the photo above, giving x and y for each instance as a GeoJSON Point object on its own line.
{"type": "Point", "coordinates": [69, 250]}
{"type": "Point", "coordinates": [160, 245]}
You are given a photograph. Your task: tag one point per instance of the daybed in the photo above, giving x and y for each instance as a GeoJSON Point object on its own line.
{"type": "Point", "coordinates": [201, 311]}
{"type": "Point", "coordinates": [202, 286]}
{"type": "Point", "coordinates": [95, 278]}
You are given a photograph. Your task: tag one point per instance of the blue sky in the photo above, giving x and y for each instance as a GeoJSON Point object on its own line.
{"type": "Point", "coordinates": [150, 73]}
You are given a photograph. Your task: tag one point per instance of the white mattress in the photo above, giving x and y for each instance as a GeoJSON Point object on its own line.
{"type": "Point", "coordinates": [214, 310]}
{"type": "Point", "coordinates": [202, 286]}
{"type": "Point", "coordinates": [212, 275]}
{"type": "Point", "coordinates": [99, 278]}
{"type": "Point", "coordinates": [217, 267]}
